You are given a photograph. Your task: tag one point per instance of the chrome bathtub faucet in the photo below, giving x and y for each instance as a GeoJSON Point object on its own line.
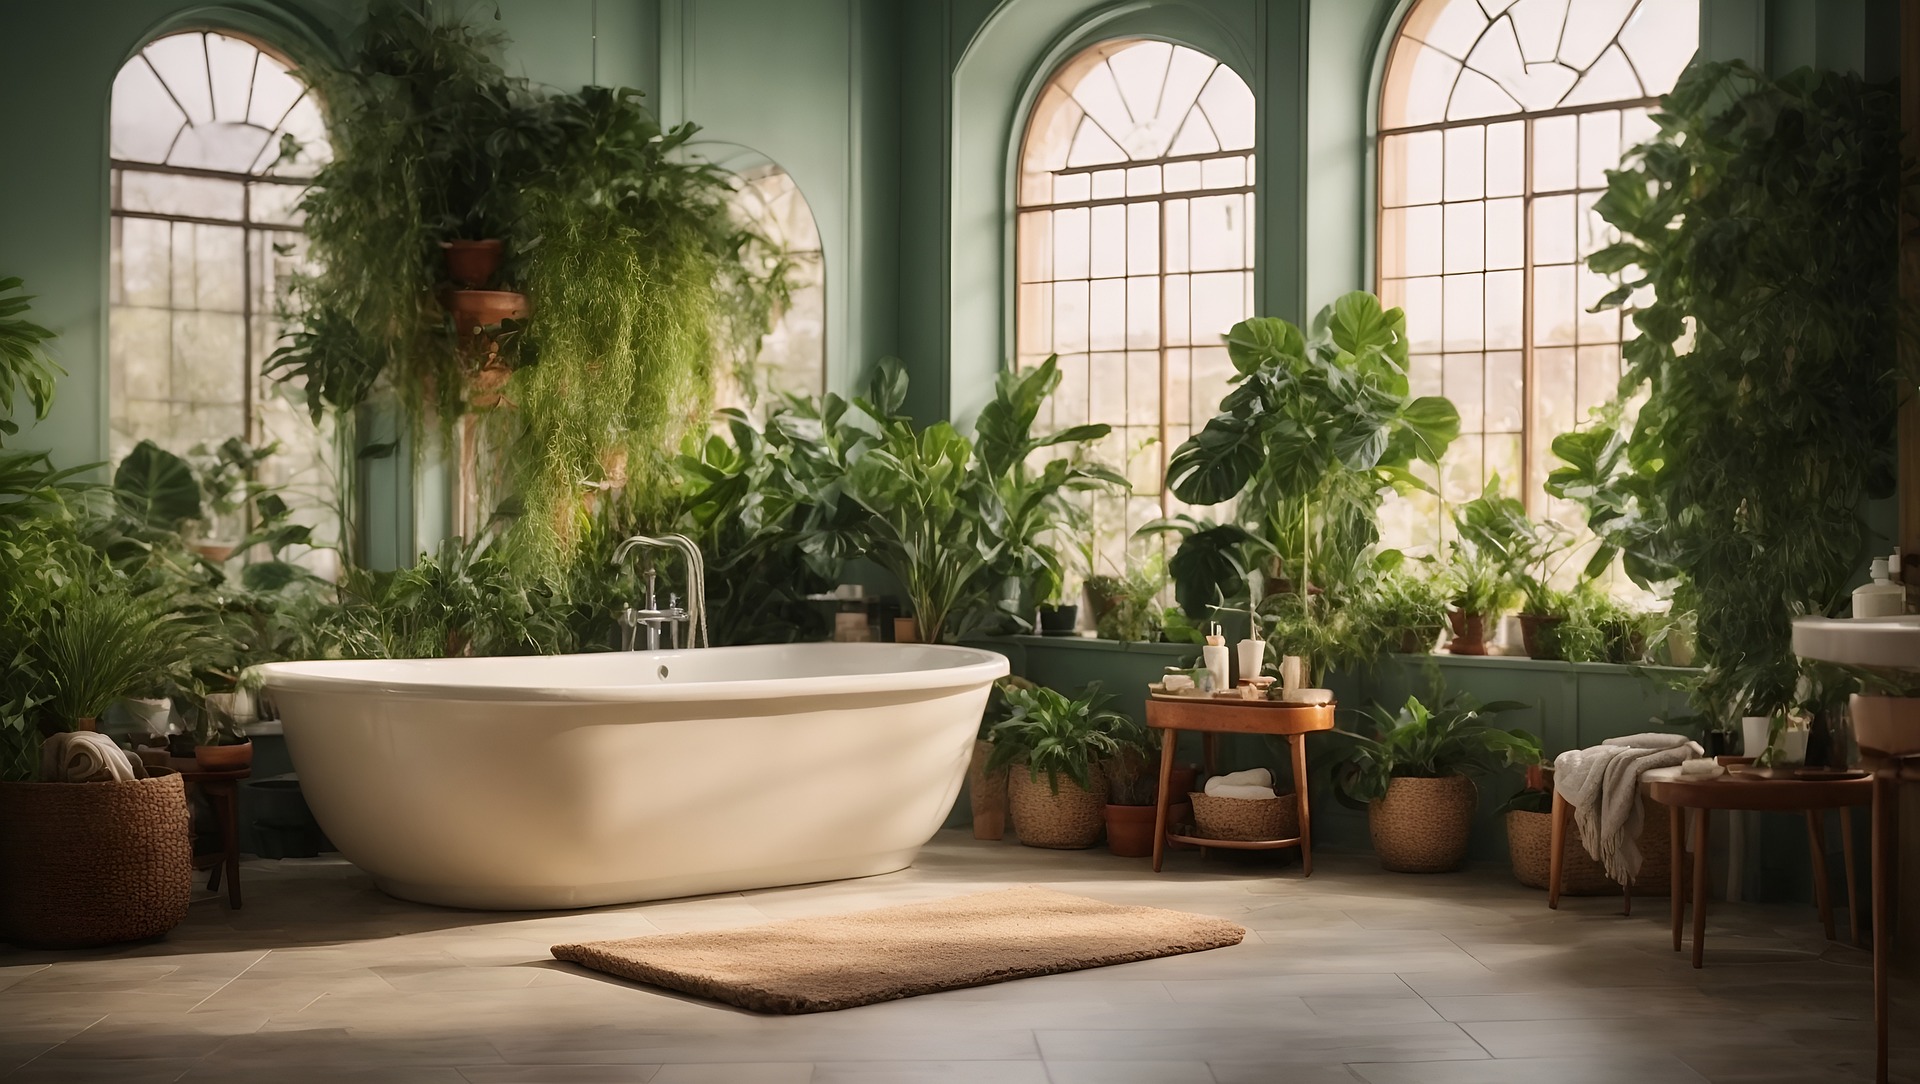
{"type": "Point", "coordinates": [651, 615]}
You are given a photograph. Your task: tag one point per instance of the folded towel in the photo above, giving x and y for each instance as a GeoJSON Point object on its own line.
{"type": "Point", "coordinates": [1174, 683]}
{"type": "Point", "coordinates": [1216, 790]}
{"type": "Point", "coordinates": [1705, 767]}
{"type": "Point", "coordinates": [1252, 777]}
{"type": "Point", "coordinates": [1648, 741]}
{"type": "Point", "coordinates": [85, 756]}
{"type": "Point", "coordinates": [1603, 786]}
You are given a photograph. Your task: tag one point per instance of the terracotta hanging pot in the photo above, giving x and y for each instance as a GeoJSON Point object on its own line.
{"type": "Point", "coordinates": [472, 263]}
{"type": "Point", "coordinates": [476, 309]}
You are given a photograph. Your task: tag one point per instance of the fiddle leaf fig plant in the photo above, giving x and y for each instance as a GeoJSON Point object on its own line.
{"type": "Point", "coordinates": [1317, 426]}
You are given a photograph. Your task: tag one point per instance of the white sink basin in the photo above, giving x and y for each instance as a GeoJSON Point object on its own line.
{"type": "Point", "coordinates": [1887, 642]}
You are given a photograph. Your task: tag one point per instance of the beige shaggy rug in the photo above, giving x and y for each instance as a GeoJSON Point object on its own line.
{"type": "Point", "coordinates": [839, 961]}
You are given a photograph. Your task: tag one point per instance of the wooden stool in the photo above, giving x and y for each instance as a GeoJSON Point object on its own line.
{"type": "Point", "coordinates": [1222, 715]}
{"type": "Point", "coordinates": [223, 794]}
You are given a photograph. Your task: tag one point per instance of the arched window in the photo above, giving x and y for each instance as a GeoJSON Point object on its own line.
{"type": "Point", "coordinates": [792, 354]}
{"type": "Point", "coordinates": [1498, 122]}
{"type": "Point", "coordinates": [1135, 250]}
{"type": "Point", "coordinates": [212, 141]}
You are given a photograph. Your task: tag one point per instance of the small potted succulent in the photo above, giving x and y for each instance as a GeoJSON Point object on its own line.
{"type": "Point", "coordinates": [1413, 777]}
{"type": "Point", "coordinates": [1057, 747]}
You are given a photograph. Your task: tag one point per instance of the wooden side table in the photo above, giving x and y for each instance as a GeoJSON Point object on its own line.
{"type": "Point", "coordinates": [1701, 796]}
{"type": "Point", "coordinates": [1888, 774]}
{"type": "Point", "coordinates": [1210, 716]}
{"type": "Point", "coordinates": [223, 794]}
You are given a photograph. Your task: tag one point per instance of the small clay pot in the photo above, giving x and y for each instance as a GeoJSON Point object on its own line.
{"type": "Point", "coordinates": [1540, 633]}
{"type": "Point", "coordinates": [986, 793]}
{"type": "Point", "coordinates": [1469, 633]}
{"type": "Point", "coordinates": [1185, 776]}
{"type": "Point", "coordinates": [476, 309]}
{"type": "Point", "coordinates": [1130, 830]}
{"type": "Point", "coordinates": [472, 263]}
{"type": "Point", "coordinates": [224, 758]}
{"type": "Point", "coordinates": [906, 630]}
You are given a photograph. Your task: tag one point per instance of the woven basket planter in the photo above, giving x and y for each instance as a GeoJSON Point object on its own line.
{"type": "Point", "coordinates": [1530, 846]}
{"type": "Point", "coordinates": [986, 793]}
{"type": "Point", "coordinates": [1245, 818]}
{"type": "Point", "coordinates": [93, 863]}
{"type": "Point", "coordinates": [1069, 820]}
{"type": "Point", "coordinates": [1422, 825]}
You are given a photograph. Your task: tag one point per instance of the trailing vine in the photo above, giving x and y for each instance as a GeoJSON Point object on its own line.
{"type": "Point", "coordinates": [1763, 219]}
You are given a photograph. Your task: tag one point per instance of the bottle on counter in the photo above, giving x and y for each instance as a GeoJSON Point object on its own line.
{"type": "Point", "coordinates": [1882, 597]}
{"type": "Point", "coordinates": [1216, 659]}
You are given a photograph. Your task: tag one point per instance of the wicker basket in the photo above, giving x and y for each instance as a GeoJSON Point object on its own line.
{"type": "Point", "coordinates": [1069, 820]}
{"type": "Point", "coordinates": [1422, 825]}
{"type": "Point", "coordinates": [1530, 846]}
{"type": "Point", "coordinates": [1245, 818]}
{"type": "Point", "coordinates": [93, 863]}
{"type": "Point", "coordinates": [987, 793]}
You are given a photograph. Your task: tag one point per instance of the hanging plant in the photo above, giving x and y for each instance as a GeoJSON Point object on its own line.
{"type": "Point", "coordinates": [1762, 219]}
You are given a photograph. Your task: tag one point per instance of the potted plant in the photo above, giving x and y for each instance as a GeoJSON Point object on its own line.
{"type": "Point", "coordinates": [986, 782]}
{"type": "Point", "coordinates": [1058, 747]}
{"type": "Point", "coordinates": [1413, 776]}
{"type": "Point", "coordinates": [1131, 791]}
{"type": "Point", "coordinates": [1127, 607]}
{"type": "Point", "coordinates": [1407, 608]}
{"type": "Point", "coordinates": [1478, 594]}
{"type": "Point", "coordinates": [97, 862]}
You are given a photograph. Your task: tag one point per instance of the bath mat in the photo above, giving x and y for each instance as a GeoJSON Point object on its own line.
{"type": "Point", "coordinates": [839, 961]}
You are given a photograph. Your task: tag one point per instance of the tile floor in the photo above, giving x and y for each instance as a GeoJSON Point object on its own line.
{"type": "Point", "coordinates": [1356, 975]}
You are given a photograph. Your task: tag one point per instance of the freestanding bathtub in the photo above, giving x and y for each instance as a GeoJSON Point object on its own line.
{"type": "Point", "coordinates": [582, 780]}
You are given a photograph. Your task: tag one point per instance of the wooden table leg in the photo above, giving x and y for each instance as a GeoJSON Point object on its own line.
{"type": "Point", "coordinates": [1298, 747]}
{"type": "Point", "coordinates": [1846, 851]}
{"type": "Point", "coordinates": [1168, 739]}
{"type": "Point", "coordinates": [1210, 751]}
{"type": "Point", "coordinates": [1702, 834]}
{"type": "Point", "coordinates": [1677, 869]}
{"type": "Point", "coordinates": [1557, 848]}
{"type": "Point", "coordinates": [233, 844]}
{"type": "Point", "coordinates": [1886, 810]}
{"type": "Point", "coordinates": [1817, 847]}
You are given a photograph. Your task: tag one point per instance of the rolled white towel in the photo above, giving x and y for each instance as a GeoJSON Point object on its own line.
{"type": "Point", "coordinates": [1649, 740]}
{"type": "Point", "coordinates": [1252, 777]}
{"type": "Point", "coordinates": [1706, 767]}
{"type": "Point", "coordinates": [85, 756]}
{"type": "Point", "coordinates": [1240, 791]}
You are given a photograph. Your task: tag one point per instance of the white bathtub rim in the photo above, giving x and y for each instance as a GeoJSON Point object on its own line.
{"type": "Point", "coordinates": [972, 667]}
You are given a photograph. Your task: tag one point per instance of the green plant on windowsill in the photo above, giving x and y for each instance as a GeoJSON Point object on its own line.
{"type": "Point", "coordinates": [1406, 605]}
{"type": "Point", "coordinates": [1127, 608]}
{"type": "Point", "coordinates": [1477, 588]}
{"type": "Point", "coordinates": [1061, 736]}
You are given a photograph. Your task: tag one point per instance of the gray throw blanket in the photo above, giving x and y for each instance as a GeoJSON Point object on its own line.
{"type": "Point", "coordinates": [1602, 784]}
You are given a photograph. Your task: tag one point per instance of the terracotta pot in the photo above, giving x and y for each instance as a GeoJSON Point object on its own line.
{"type": "Point", "coordinates": [1185, 776]}
{"type": "Point", "coordinates": [1069, 819]}
{"type": "Point", "coordinates": [472, 263]}
{"type": "Point", "coordinates": [1469, 633]}
{"type": "Point", "coordinates": [1130, 830]}
{"type": "Point", "coordinates": [987, 793]}
{"type": "Point", "coordinates": [217, 552]}
{"type": "Point", "coordinates": [1888, 725]}
{"type": "Point", "coordinates": [1422, 825]}
{"type": "Point", "coordinates": [223, 758]}
{"type": "Point", "coordinates": [906, 630]}
{"type": "Point", "coordinates": [1418, 641]}
{"type": "Point", "coordinates": [1540, 633]}
{"type": "Point", "coordinates": [476, 309]}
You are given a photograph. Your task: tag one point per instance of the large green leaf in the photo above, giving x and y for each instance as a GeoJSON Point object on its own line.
{"type": "Point", "coordinates": [156, 488]}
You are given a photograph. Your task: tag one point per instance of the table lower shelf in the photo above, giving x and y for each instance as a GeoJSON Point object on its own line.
{"type": "Point", "coordinates": [1235, 844]}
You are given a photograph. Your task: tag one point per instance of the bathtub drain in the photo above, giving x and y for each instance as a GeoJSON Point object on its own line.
{"type": "Point", "coordinates": [663, 673]}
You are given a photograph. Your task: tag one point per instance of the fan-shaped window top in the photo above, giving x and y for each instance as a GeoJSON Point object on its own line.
{"type": "Point", "coordinates": [1468, 59]}
{"type": "Point", "coordinates": [210, 101]}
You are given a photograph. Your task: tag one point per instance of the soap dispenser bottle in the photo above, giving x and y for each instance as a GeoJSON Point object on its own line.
{"type": "Point", "coordinates": [1216, 658]}
{"type": "Point", "coordinates": [1882, 597]}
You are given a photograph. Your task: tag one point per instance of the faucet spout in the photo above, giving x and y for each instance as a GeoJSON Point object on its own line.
{"type": "Point", "coordinates": [651, 615]}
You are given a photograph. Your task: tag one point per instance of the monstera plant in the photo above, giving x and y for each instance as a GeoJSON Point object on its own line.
{"type": "Point", "coordinates": [1318, 426]}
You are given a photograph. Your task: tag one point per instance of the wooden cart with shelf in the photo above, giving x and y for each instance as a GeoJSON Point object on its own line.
{"type": "Point", "coordinates": [1212, 716]}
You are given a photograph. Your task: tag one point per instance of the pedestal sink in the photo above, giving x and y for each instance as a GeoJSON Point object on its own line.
{"type": "Point", "coordinates": [1888, 725]}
